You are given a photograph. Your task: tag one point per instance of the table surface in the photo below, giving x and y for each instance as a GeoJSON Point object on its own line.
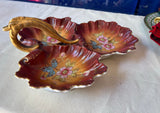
{"type": "Point", "coordinates": [131, 85]}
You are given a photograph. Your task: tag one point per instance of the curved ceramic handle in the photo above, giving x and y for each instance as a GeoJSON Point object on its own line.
{"type": "Point", "coordinates": [18, 23]}
{"type": "Point", "coordinates": [157, 20]}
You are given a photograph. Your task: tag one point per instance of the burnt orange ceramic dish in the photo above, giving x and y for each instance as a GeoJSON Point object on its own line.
{"type": "Point", "coordinates": [61, 68]}
{"type": "Point", "coordinates": [106, 38]}
{"type": "Point", "coordinates": [65, 55]}
{"type": "Point", "coordinates": [64, 27]}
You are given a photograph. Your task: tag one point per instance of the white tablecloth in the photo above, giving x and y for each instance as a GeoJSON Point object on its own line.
{"type": "Point", "coordinates": [131, 85]}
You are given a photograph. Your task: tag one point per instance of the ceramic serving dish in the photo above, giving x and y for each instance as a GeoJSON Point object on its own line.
{"type": "Point", "coordinates": [106, 38]}
{"type": "Point", "coordinates": [61, 67]}
{"type": "Point", "coordinates": [149, 19]}
{"type": "Point", "coordinates": [64, 55]}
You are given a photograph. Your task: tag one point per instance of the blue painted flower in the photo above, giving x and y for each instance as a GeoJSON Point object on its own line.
{"type": "Point", "coordinates": [94, 45]}
{"type": "Point", "coordinates": [49, 69]}
{"type": "Point", "coordinates": [54, 63]}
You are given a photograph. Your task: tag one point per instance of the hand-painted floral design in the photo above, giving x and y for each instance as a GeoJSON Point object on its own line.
{"type": "Point", "coordinates": [95, 45]}
{"type": "Point", "coordinates": [49, 69]}
{"type": "Point", "coordinates": [108, 46]}
{"type": "Point", "coordinates": [62, 72]}
{"type": "Point", "coordinates": [27, 43]}
{"type": "Point", "coordinates": [61, 67]}
{"type": "Point", "coordinates": [102, 42]}
{"type": "Point", "coordinates": [102, 39]}
{"type": "Point", "coordinates": [106, 37]}
{"type": "Point", "coordinates": [62, 55]}
{"type": "Point", "coordinates": [52, 40]}
{"type": "Point", "coordinates": [65, 71]}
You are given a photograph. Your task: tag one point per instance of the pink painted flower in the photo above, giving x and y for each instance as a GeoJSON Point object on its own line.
{"type": "Point", "coordinates": [109, 46]}
{"type": "Point", "coordinates": [62, 54]}
{"type": "Point", "coordinates": [52, 40]}
{"type": "Point", "coordinates": [102, 39]}
{"type": "Point", "coordinates": [65, 71]}
{"type": "Point", "coordinates": [29, 42]}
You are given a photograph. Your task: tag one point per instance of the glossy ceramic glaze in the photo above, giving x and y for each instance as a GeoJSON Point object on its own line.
{"type": "Point", "coordinates": [106, 38]}
{"type": "Point", "coordinates": [61, 67]}
{"type": "Point", "coordinates": [64, 27]}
